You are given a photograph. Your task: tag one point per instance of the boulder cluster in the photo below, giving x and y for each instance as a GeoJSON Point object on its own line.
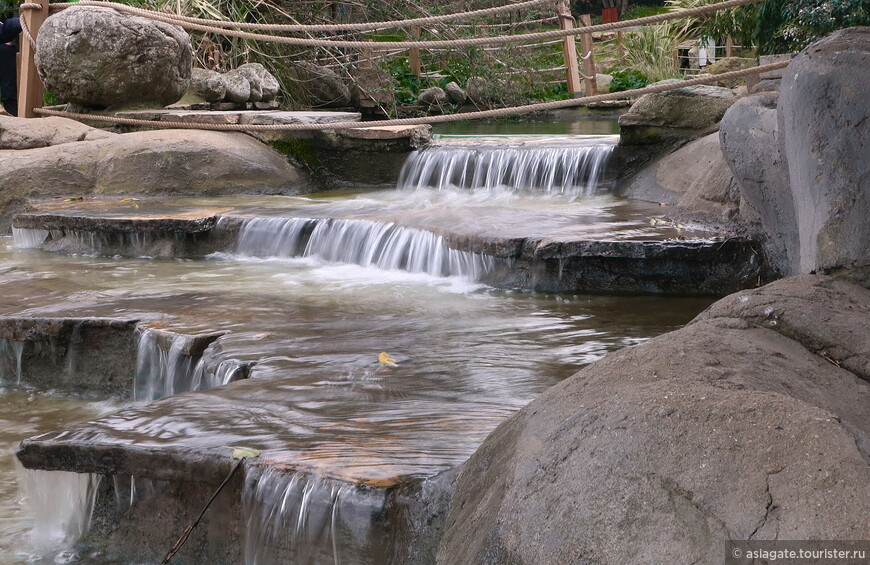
{"type": "Point", "coordinates": [250, 82]}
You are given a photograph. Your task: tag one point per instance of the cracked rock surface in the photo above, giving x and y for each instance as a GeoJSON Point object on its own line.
{"type": "Point", "coordinates": [752, 422]}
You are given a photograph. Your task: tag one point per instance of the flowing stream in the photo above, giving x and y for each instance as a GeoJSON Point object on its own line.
{"type": "Point", "coordinates": [314, 288]}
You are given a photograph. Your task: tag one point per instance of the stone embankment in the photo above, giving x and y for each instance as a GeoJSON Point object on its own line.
{"type": "Point", "coordinates": [751, 423]}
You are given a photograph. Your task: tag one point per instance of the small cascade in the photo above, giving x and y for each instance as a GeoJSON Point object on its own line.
{"type": "Point", "coordinates": [308, 520]}
{"type": "Point", "coordinates": [568, 170]}
{"type": "Point", "coordinates": [11, 360]}
{"type": "Point", "coordinates": [28, 238]}
{"type": "Point", "coordinates": [163, 370]}
{"type": "Point", "coordinates": [366, 243]}
{"type": "Point", "coordinates": [61, 504]}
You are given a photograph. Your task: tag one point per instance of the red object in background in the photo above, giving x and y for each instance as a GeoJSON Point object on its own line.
{"type": "Point", "coordinates": [609, 15]}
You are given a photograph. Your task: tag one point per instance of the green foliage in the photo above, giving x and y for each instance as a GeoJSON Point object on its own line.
{"type": "Point", "coordinates": [636, 12]}
{"type": "Point", "coordinates": [51, 99]}
{"type": "Point", "coordinates": [628, 80]}
{"type": "Point", "coordinates": [790, 25]}
{"type": "Point", "coordinates": [650, 51]}
{"type": "Point", "coordinates": [736, 23]}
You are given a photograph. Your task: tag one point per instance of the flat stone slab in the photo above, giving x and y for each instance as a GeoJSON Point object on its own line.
{"type": "Point", "coordinates": [628, 248]}
{"type": "Point", "coordinates": [384, 132]}
{"type": "Point", "coordinates": [259, 117]}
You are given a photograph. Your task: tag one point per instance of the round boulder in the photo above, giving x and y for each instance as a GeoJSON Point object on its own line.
{"type": "Point", "coordinates": [97, 57]}
{"type": "Point", "coordinates": [674, 117]}
{"type": "Point", "coordinates": [320, 86]}
{"type": "Point", "coordinates": [238, 87]}
{"type": "Point", "coordinates": [208, 84]}
{"type": "Point", "coordinates": [434, 96]}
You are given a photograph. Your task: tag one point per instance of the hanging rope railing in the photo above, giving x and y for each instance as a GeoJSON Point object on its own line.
{"type": "Point", "coordinates": [183, 21]}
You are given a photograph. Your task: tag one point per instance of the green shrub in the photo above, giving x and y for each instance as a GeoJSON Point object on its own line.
{"type": "Point", "coordinates": [628, 80]}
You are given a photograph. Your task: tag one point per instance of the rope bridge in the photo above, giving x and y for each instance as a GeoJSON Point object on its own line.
{"type": "Point", "coordinates": [223, 27]}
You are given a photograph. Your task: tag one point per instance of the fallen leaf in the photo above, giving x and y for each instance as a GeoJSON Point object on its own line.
{"type": "Point", "coordinates": [385, 359]}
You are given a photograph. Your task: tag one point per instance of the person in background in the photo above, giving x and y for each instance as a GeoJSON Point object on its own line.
{"type": "Point", "coordinates": [9, 31]}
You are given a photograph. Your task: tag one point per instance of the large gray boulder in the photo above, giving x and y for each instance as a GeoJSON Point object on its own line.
{"type": "Point", "coordinates": [824, 117]}
{"type": "Point", "coordinates": [237, 87]}
{"type": "Point", "coordinates": [176, 162]}
{"type": "Point", "coordinates": [320, 86]}
{"type": "Point", "coordinates": [751, 143]}
{"type": "Point", "coordinates": [97, 57]}
{"type": "Point", "coordinates": [749, 423]}
{"type": "Point", "coordinates": [674, 117]}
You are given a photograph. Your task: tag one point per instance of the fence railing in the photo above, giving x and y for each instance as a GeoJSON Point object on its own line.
{"type": "Point", "coordinates": [34, 13]}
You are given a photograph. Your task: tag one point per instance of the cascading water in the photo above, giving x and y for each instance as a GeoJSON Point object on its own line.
{"type": "Point", "coordinates": [29, 238]}
{"type": "Point", "coordinates": [11, 358]}
{"type": "Point", "coordinates": [309, 520]}
{"type": "Point", "coordinates": [61, 504]}
{"type": "Point", "coordinates": [568, 170]}
{"type": "Point", "coordinates": [367, 243]}
{"type": "Point", "coordinates": [162, 372]}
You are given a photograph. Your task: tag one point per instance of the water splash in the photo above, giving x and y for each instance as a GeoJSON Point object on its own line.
{"type": "Point", "coordinates": [385, 245]}
{"type": "Point", "coordinates": [569, 170]}
{"type": "Point", "coordinates": [306, 520]}
{"type": "Point", "coordinates": [29, 238]}
{"type": "Point", "coordinates": [60, 503]}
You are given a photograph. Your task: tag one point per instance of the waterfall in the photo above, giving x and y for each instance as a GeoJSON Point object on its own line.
{"type": "Point", "coordinates": [385, 245]}
{"type": "Point", "coordinates": [61, 504]}
{"type": "Point", "coordinates": [309, 520]}
{"type": "Point", "coordinates": [28, 238]}
{"type": "Point", "coordinates": [569, 170]}
{"type": "Point", "coordinates": [11, 360]}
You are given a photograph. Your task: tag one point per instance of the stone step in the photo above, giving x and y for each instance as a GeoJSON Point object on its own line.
{"type": "Point", "coordinates": [627, 254]}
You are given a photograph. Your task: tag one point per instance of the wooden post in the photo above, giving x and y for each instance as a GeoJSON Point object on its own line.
{"type": "Point", "coordinates": [569, 49]}
{"type": "Point", "coordinates": [29, 84]}
{"type": "Point", "coordinates": [588, 58]}
{"type": "Point", "coordinates": [414, 54]}
{"type": "Point", "coordinates": [620, 47]}
{"type": "Point", "coordinates": [729, 47]}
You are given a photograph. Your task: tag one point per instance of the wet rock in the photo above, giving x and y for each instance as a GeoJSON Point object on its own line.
{"type": "Point", "coordinates": [695, 177]}
{"type": "Point", "coordinates": [263, 83]}
{"type": "Point", "coordinates": [455, 93]}
{"type": "Point", "coordinates": [435, 96]}
{"type": "Point", "coordinates": [155, 162]}
{"type": "Point", "coordinates": [97, 57]}
{"type": "Point", "coordinates": [672, 118]}
{"type": "Point", "coordinates": [44, 132]}
{"type": "Point", "coordinates": [824, 119]}
{"type": "Point", "coordinates": [320, 86]}
{"type": "Point", "coordinates": [726, 429]}
{"type": "Point", "coordinates": [208, 84]}
{"type": "Point", "coordinates": [238, 87]}
{"type": "Point", "coordinates": [752, 145]}
{"type": "Point", "coordinates": [78, 355]}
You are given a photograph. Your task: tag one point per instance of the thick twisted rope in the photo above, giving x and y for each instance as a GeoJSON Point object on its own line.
{"type": "Point", "coordinates": [496, 113]}
{"type": "Point", "coordinates": [25, 28]}
{"type": "Point", "coordinates": [496, 40]}
{"type": "Point", "coordinates": [361, 26]}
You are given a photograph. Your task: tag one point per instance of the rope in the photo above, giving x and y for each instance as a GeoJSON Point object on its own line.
{"type": "Point", "coordinates": [496, 113]}
{"type": "Point", "coordinates": [497, 40]}
{"type": "Point", "coordinates": [25, 26]}
{"type": "Point", "coordinates": [364, 26]}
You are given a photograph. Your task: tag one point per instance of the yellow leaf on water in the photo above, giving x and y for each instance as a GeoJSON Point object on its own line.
{"type": "Point", "coordinates": [385, 359]}
{"type": "Point", "coordinates": [129, 199]}
{"type": "Point", "coordinates": [243, 452]}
